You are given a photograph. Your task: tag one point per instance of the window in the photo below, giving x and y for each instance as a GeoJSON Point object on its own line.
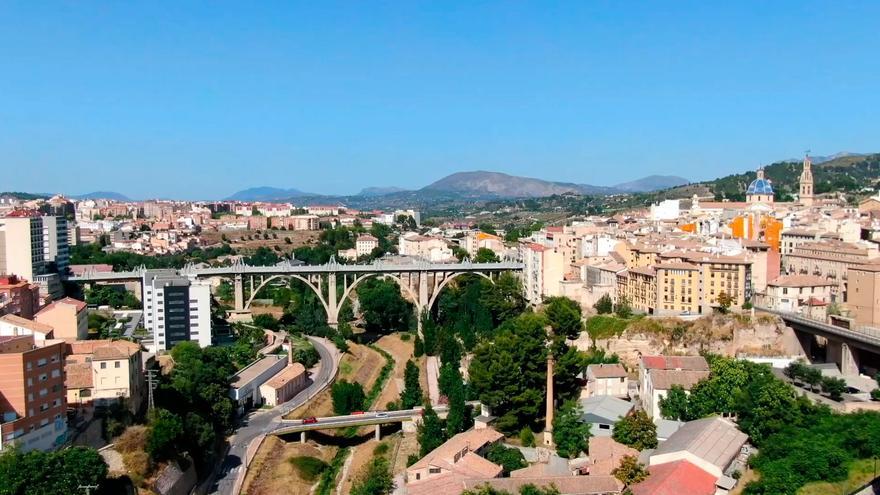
{"type": "Point", "coordinates": [604, 427]}
{"type": "Point", "coordinates": [103, 366]}
{"type": "Point", "coordinates": [434, 470]}
{"type": "Point", "coordinates": [116, 364]}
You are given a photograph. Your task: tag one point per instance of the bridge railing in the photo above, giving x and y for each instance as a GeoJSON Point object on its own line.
{"type": "Point", "coordinates": [862, 333]}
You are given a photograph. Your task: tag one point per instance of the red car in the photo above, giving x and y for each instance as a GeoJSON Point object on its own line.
{"type": "Point", "coordinates": [308, 421]}
{"type": "Point", "coordinates": [356, 412]}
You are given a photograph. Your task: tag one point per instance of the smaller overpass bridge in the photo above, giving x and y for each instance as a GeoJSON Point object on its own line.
{"type": "Point", "coordinates": [371, 418]}
{"type": "Point", "coordinates": [845, 344]}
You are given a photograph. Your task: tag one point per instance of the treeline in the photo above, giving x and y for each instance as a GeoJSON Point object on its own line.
{"type": "Point", "coordinates": [84, 254]}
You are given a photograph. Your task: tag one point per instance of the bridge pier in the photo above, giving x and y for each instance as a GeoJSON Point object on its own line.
{"type": "Point", "coordinates": [844, 356]}
{"type": "Point", "coordinates": [302, 437]}
{"type": "Point", "coordinates": [239, 293]}
{"type": "Point", "coordinates": [378, 432]}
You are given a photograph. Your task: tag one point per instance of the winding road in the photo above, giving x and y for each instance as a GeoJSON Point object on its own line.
{"type": "Point", "coordinates": [260, 422]}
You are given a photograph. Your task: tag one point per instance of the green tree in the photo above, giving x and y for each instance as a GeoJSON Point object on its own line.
{"type": "Point", "coordinates": [516, 398]}
{"type": "Point", "coordinates": [630, 471]}
{"type": "Point", "coordinates": [834, 387]}
{"type": "Point", "coordinates": [347, 397]}
{"type": "Point", "coordinates": [166, 428]}
{"type": "Point", "coordinates": [564, 316]}
{"type": "Point", "coordinates": [418, 347]}
{"type": "Point", "coordinates": [458, 418]}
{"type": "Point", "coordinates": [374, 479]}
{"type": "Point", "coordinates": [38, 473]}
{"type": "Point", "coordinates": [412, 389]}
{"type": "Point", "coordinates": [604, 305]}
{"type": "Point", "coordinates": [306, 355]}
{"type": "Point", "coordinates": [570, 364]}
{"type": "Point", "coordinates": [504, 299]}
{"type": "Point", "coordinates": [636, 430]}
{"type": "Point", "coordinates": [527, 437]}
{"type": "Point", "coordinates": [812, 377]}
{"type": "Point", "coordinates": [430, 334]}
{"type": "Point", "coordinates": [430, 432]}
{"type": "Point", "coordinates": [570, 433]}
{"type": "Point", "coordinates": [510, 459]}
{"type": "Point", "coordinates": [384, 309]}
{"type": "Point", "coordinates": [875, 394]}
{"type": "Point", "coordinates": [623, 309]}
{"type": "Point", "coordinates": [266, 320]}
{"type": "Point", "coordinates": [675, 404]}
{"type": "Point", "coordinates": [485, 255]}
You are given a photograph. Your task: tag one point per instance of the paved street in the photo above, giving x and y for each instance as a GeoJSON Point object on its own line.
{"type": "Point", "coordinates": [261, 421]}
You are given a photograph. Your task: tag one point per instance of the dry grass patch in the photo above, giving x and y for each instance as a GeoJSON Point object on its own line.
{"type": "Point", "coordinates": [274, 470]}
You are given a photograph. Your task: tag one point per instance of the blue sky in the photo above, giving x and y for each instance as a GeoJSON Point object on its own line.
{"type": "Point", "coordinates": [201, 99]}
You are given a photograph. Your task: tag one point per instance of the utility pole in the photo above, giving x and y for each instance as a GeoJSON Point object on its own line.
{"type": "Point", "coordinates": [88, 488]}
{"type": "Point", "coordinates": [151, 385]}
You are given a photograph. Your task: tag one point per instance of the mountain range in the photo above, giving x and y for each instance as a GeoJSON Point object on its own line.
{"type": "Point", "coordinates": [480, 185]}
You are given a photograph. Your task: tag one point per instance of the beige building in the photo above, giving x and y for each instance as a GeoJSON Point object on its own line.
{"type": "Point", "coordinates": [830, 259]}
{"type": "Point", "coordinates": [432, 249]}
{"type": "Point", "coordinates": [805, 294]}
{"type": "Point", "coordinates": [285, 385]}
{"type": "Point", "coordinates": [864, 294]}
{"type": "Point", "coordinates": [68, 317]}
{"type": "Point", "coordinates": [365, 244]}
{"type": "Point", "coordinates": [606, 379]}
{"type": "Point", "coordinates": [102, 372]}
{"type": "Point", "coordinates": [445, 468]}
{"type": "Point", "coordinates": [11, 325]}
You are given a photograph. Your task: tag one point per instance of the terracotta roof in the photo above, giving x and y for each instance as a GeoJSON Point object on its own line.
{"type": "Point", "coordinates": [675, 362]}
{"type": "Point", "coordinates": [287, 374]}
{"type": "Point", "coordinates": [866, 268]}
{"type": "Point", "coordinates": [32, 325]}
{"type": "Point", "coordinates": [366, 238]}
{"type": "Point", "coordinates": [606, 370]}
{"type": "Point", "coordinates": [79, 305]}
{"type": "Point", "coordinates": [471, 440]}
{"type": "Point", "coordinates": [676, 478]}
{"type": "Point", "coordinates": [800, 281]}
{"type": "Point", "coordinates": [567, 485]}
{"type": "Point", "coordinates": [78, 375]}
{"type": "Point", "coordinates": [101, 350]}
{"type": "Point", "coordinates": [677, 266]}
{"type": "Point", "coordinates": [686, 379]}
{"type": "Point", "coordinates": [606, 454]}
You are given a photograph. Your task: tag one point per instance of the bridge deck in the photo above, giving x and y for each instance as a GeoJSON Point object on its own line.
{"type": "Point", "coordinates": [867, 337]}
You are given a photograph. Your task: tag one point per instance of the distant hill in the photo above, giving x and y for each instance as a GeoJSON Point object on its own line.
{"type": "Point", "coordinates": [380, 191]}
{"type": "Point", "coordinates": [268, 193]}
{"type": "Point", "coordinates": [24, 196]}
{"type": "Point", "coordinates": [652, 183]}
{"type": "Point", "coordinates": [494, 184]}
{"type": "Point", "coordinates": [848, 172]}
{"type": "Point", "coordinates": [115, 196]}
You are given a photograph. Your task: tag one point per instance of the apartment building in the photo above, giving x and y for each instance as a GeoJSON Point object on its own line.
{"type": "Point", "coordinates": [830, 259]}
{"type": "Point", "coordinates": [474, 241]}
{"type": "Point", "coordinates": [69, 317]}
{"type": "Point", "coordinates": [35, 248]}
{"type": "Point", "coordinates": [658, 374]}
{"type": "Point", "coordinates": [365, 244]}
{"type": "Point", "coordinates": [295, 222]}
{"type": "Point", "coordinates": [863, 294]}
{"type": "Point", "coordinates": [103, 372]}
{"type": "Point", "coordinates": [18, 297]}
{"type": "Point", "coordinates": [432, 249]}
{"type": "Point", "coordinates": [806, 294]}
{"type": "Point", "coordinates": [32, 399]}
{"type": "Point", "coordinates": [176, 309]}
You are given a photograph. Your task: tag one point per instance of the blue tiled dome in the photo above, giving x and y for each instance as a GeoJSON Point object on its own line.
{"type": "Point", "coordinates": [760, 186]}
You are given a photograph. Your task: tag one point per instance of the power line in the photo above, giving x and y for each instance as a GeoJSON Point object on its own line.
{"type": "Point", "coordinates": [151, 385]}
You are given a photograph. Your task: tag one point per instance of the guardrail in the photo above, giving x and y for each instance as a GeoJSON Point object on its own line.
{"type": "Point", "coordinates": [865, 335]}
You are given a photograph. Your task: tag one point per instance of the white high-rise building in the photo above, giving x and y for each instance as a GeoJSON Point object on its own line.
{"type": "Point", "coordinates": [176, 309]}
{"type": "Point", "coordinates": [35, 248]}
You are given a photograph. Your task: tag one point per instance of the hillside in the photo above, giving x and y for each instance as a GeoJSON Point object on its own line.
{"type": "Point", "coordinates": [846, 173]}
{"type": "Point", "coordinates": [115, 196]}
{"type": "Point", "coordinates": [496, 184]}
{"type": "Point", "coordinates": [267, 193]}
{"type": "Point", "coordinates": [652, 183]}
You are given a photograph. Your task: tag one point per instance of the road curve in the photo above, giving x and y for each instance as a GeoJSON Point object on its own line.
{"type": "Point", "coordinates": [260, 422]}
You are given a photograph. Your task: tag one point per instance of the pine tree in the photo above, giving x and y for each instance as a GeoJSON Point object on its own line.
{"type": "Point", "coordinates": [430, 433]}
{"type": "Point", "coordinates": [412, 389]}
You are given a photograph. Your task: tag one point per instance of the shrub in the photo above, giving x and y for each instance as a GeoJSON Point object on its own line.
{"type": "Point", "coordinates": [133, 439]}
{"type": "Point", "coordinates": [307, 467]}
{"type": "Point", "coordinates": [137, 464]}
{"type": "Point", "coordinates": [380, 449]}
{"type": "Point", "coordinates": [527, 437]}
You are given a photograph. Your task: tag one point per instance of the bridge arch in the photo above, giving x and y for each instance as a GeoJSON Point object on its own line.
{"type": "Point", "coordinates": [409, 290]}
{"type": "Point", "coordinates": [446, 281]}
{"type": "Point", "coordinates": [312, 286]}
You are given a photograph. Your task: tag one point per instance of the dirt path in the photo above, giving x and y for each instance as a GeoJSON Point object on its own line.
{"type": "Point", "coordinates": [401, 351]}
